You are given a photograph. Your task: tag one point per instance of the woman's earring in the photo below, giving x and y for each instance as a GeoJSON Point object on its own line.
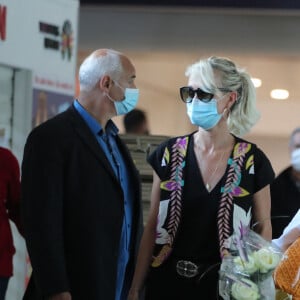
{"type": "Point", "coordinates": [225, 113]}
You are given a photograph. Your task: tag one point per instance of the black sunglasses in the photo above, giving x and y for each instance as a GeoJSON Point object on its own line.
{"type": "Point", "coordinates": [187, 94]}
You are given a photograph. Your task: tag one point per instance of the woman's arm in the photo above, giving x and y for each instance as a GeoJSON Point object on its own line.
{"type": "Point", "coordinates": [147, 242]}
{"type": "Point", "coordinates": [262, 213]}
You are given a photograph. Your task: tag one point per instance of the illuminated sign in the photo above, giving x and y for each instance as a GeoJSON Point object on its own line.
{"type": "Point", "coordinates": [2, 22]}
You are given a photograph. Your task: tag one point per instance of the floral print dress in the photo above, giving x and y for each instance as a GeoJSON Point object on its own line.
{"type": "Point", "coordinates": [193, 223]}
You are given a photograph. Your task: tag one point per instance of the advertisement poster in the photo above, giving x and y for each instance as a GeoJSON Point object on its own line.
{"type": "Point", "coordinates": [47, 104]}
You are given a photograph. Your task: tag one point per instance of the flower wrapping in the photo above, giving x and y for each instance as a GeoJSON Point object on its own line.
{"type": "Point", "coordinates": [246, 273]}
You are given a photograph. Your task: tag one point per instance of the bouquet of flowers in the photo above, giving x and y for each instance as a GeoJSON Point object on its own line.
{"type": "Point", "coordinates": [246, 274]}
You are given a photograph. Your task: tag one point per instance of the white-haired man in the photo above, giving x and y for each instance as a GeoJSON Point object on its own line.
{"type": "Point", "coordinates": [285, 190]}
{"type": "Point", "coordinates": [81, 191]}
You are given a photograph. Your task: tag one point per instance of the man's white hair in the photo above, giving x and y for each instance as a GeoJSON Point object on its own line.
{"type": "Point", "coordinates": [95, 67]}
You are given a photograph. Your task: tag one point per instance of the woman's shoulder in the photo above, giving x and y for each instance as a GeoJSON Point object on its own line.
{"type": "Point", "coordinates": [8, 159]}
{"type": "Point", "coordinates": [167, 146]}
{"type": "Point", "coordinates": [260, 158]}
{"type": "Point", "coordinates": [249, 146]}
{"type": "Point", "coordinates": [173, 140]}
{"type": "Point", "coordinates": [5, 151]}
{"type": "Point", "coordinates": [6, 154]}
{"type": "Point", "coordinates": [241, 140]}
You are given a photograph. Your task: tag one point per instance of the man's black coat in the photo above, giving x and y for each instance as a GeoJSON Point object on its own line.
{"type": "Point", "coordinates": [72, 209]}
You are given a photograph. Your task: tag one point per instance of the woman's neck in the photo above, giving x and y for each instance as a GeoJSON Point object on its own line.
{"type": "Point", "coordinates": [213, 140]}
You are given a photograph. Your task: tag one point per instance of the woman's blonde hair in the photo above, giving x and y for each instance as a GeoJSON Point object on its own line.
{"type": "Point", "coordinates": [221, 74]}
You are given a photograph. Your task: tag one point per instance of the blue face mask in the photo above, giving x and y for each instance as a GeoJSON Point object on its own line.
{"type": "Point", "coordinates": [129, 103]}
{"type": "Point", "coordinates": [204, 115]}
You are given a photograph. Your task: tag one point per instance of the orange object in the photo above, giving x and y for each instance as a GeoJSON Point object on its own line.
{"type": "Point", "coordinates": [287, 273]}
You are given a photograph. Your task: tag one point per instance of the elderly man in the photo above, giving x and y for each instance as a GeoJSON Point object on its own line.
{"type": "Point", "coordinates": [81, 192]}
{"type": "Point", "coordinates": [285, 190]}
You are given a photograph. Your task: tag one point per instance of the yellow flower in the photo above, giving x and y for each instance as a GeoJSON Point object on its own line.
{"type": "Point", "coordinates": [247, 266]}
{"type": "Point", "coordinates": [266, 260]}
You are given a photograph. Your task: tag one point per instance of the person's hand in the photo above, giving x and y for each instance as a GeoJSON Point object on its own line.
{"type": "Point", "coordinates": [133, 294]}
{"type": "Point", "coordinates": [61, 296]}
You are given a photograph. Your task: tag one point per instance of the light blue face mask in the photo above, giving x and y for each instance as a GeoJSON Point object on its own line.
{"type": "Point", "coordinates": [129, 103]}
{"type": "Point", "coordinates": [203, 114]}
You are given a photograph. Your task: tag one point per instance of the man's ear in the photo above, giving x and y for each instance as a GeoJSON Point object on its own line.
{"type": "Point", "coordinates": [105, 83]}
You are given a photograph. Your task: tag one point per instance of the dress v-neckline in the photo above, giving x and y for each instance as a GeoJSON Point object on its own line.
{"type": "Point", "coordinates": [194, 159]}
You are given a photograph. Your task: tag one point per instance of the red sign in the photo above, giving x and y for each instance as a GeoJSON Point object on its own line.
{"type": "Point", "coordinates": [2, 22]}
{"type": "Point", "coordinates": [53, 83]}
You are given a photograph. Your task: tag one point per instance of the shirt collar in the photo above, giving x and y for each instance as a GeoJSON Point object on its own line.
{"type": "Point", "coordinates": [93, 124]}
{"type": "Point", "coordinates": [111, 128]}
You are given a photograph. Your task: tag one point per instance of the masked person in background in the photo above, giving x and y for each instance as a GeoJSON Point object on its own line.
{"type": "Point", "coordinates": [9, 210]}
{"type": "Point", "coordinates": [285, 190]}
{"type": "Point", "coordinates": [206, 185]}
{"type": "Point", "coordinates": [81, 191]}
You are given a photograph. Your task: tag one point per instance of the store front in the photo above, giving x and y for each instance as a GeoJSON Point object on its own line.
{"type": "Point", "coordinates": [37, 64]}
{"type": "Point", "coordinates": [38, 50]}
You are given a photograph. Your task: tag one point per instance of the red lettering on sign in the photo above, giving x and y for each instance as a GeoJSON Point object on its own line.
{"type": "Point", "coordinates": [2, 23]}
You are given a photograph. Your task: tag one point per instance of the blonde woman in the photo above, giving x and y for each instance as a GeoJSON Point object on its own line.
{"type": "Point", "coordinates": [205, 185]}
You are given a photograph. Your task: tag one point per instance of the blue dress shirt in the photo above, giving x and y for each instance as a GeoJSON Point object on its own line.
{"type": "Point", "coordinates": [107, 141]}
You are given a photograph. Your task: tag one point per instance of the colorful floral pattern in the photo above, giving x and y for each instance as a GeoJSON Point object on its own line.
{"type": "Point", "coordinates": [174, 186]}
{"type": "Point", "coordinates": [231, 189]}
{"type": "Point", "coordinates": [170, 209]}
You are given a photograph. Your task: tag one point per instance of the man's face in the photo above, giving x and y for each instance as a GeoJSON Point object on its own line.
{"type": "Point", "coordinates": [127, 79]}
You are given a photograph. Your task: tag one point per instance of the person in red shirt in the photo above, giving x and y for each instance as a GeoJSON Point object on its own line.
{"type": "Point", "coordinates": [9, 210]}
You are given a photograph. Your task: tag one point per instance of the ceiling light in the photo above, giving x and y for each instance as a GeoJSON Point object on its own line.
{"type": "Point", "coordinates": [256, 82]}
{"type": "Point", "coordinates": [279, 94]}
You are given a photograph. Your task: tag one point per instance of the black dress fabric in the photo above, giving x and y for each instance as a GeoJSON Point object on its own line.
{"type": "Point", "coordinates": [197, 236]}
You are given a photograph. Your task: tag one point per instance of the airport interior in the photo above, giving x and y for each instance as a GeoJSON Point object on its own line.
{"type": "Point", "coordinates": [40, 58]}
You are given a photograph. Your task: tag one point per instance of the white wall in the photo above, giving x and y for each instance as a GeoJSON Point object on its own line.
{"type": "Point", "coordinates": [36, 66]}
{"type": "Point", "coordinates": [6, 91]}
{"type": "Point", "coordinates": [162, 42]}
{"type": "Point", "coordinates": [24, 44]}
{"type": "Point", "coordinates": [22, 111]}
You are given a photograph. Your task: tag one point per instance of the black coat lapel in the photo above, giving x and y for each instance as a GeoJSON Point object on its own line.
{"type": "Point", "coordinates": [89, 139]}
